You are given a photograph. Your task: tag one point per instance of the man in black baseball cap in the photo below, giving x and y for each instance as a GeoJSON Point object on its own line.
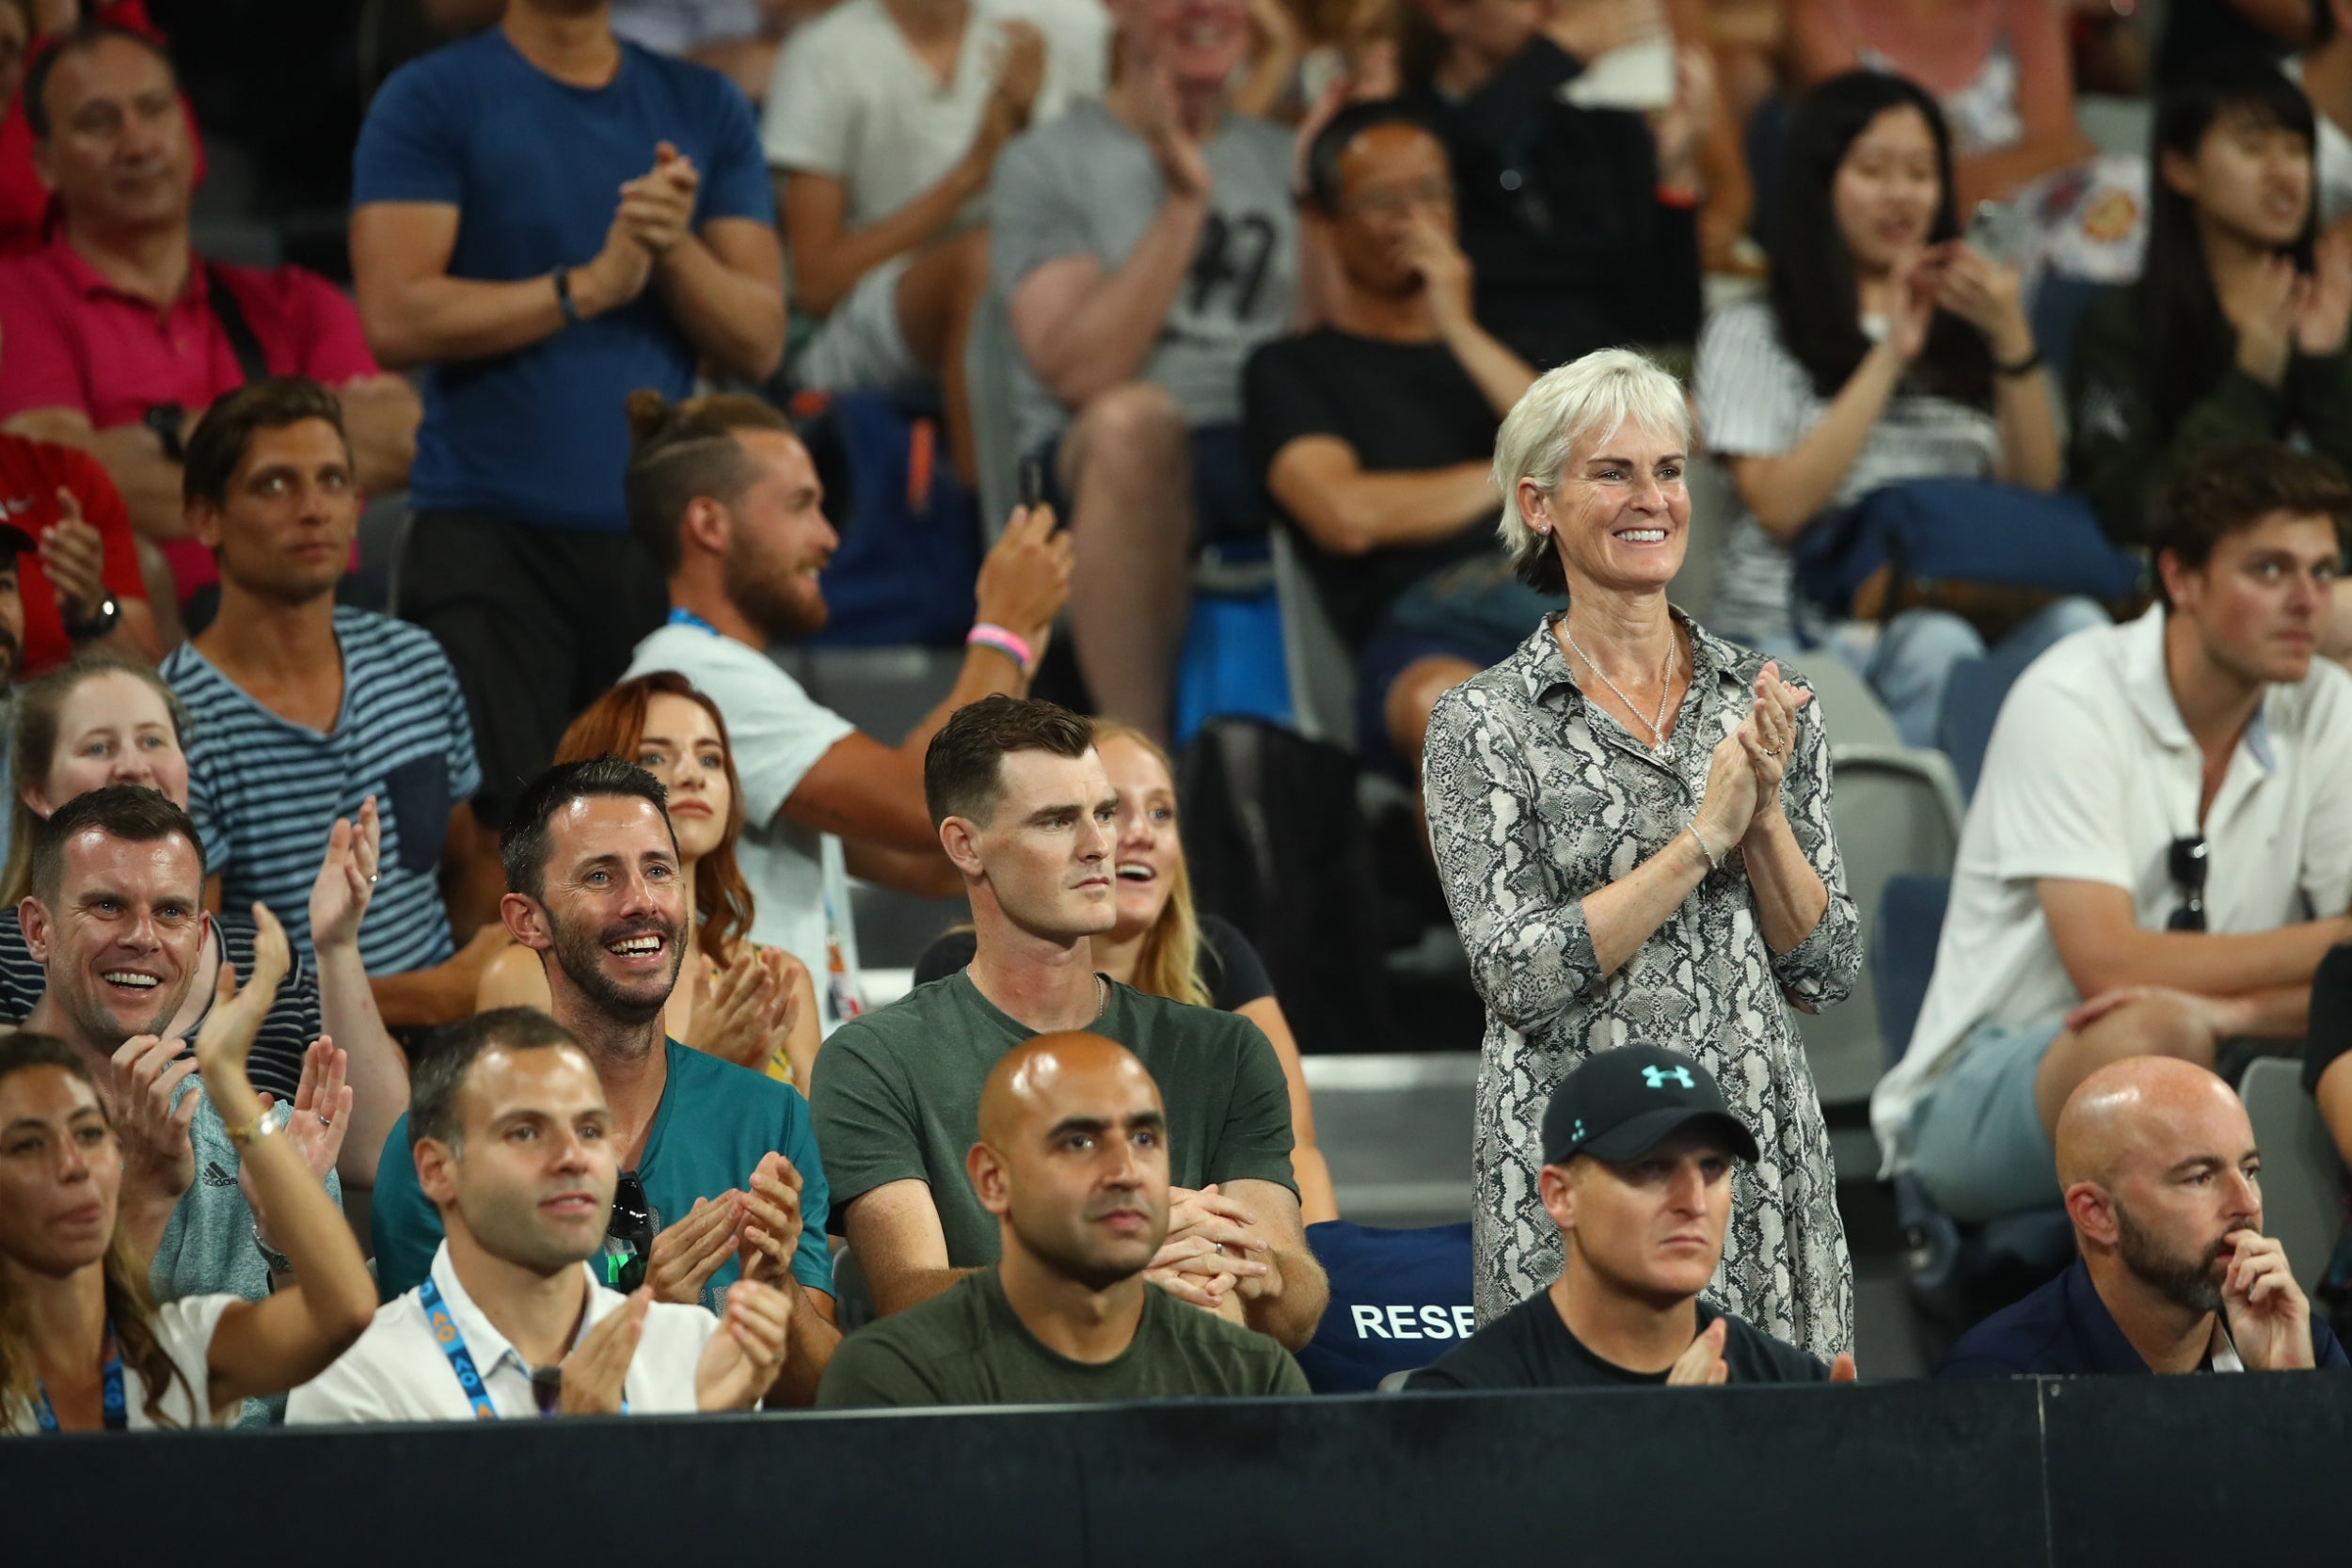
{"type": "Point", "coordinates": [1638, 1149]}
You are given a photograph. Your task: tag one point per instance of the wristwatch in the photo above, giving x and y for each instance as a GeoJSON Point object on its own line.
{"type": "Point", "coordinates": [167, 420]}
{"type": "Point", "coordinates": [278, 1263]}
{"type": "Point", "coordinates": [107, 616]}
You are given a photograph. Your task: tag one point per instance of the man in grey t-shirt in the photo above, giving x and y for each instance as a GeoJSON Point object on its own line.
{"type": "Point", "coordinates": [1145, 244]}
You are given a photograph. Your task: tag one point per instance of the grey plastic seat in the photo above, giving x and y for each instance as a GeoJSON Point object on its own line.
{"type": "Point", "coordinates": [1897, 812]}
{"type": "Point", "coordinates": [2302, 1172]}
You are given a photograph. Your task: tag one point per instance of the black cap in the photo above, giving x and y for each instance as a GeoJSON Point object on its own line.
{"type": "Point", "coordinates": [1620, 1104]}
{"type": "Point", "coordinates": [15, 541]}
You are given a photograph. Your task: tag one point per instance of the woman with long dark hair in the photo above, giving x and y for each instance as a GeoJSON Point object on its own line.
{"type": "Point", "coordinates": [83, 1345]}
{"type": "Point", "coordinates": [752, 1006]}
{"type": "Point", "coordinates": [1886, 349]}
{"type": "Point", "coordinates": [2236, 329]}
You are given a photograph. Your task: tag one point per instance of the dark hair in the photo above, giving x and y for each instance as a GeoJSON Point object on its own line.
{"type": "Point", "coordinates": [1816, 302]}
{"type": "Point", "coordinates": [33, 743]}
{"type": "Point", "coordinates": [131, 812]}
{"type": "Point", "coordinates": [964, 773]}
{"type": "Point", "coordinates": [440, 1072]}
{"type": "Point", "coordinates": [1324, 185]}
{"type": "Point", "coordinates": [2189, 343]}
{"type": "Point", "coordinates": [2229, 488]}
{"type": "Point", "coordinates": [130, 1307]}
{"type": "Point", "coordinates": [523, 848]}
{"type": "Point", "coordinates": [218, 443]}
{"type": "Point", "coordinates": [80, 38]}
{"type": "Point", "coordinates": [682, 452]}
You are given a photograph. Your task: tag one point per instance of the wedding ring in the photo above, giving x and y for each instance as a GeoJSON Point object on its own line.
{"type": "Point", "coordinates": [325, 1121]}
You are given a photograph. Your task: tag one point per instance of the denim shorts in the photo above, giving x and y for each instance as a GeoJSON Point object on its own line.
{"type": "Point", "coordinates": [1977, 1145]}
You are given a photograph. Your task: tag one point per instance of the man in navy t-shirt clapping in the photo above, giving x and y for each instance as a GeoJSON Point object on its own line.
{"type": "Point", "coordinates": [548, 219]}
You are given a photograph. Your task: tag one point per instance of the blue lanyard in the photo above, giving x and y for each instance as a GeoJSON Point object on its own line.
{"type": "Point", "coordinates": [116, 1414]}
{"type": "Point", "coordinates": [452, 1345]}
{"type": "Point", "coordinates": [687, 618]}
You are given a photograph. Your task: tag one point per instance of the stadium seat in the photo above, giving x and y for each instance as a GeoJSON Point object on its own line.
{"type": "Point", "coordinates": [1972, 701]}
{"type": "Point", "coordinates": [988, 361]}
{"type": "Point", "coordinates": [1902, 953]}
{"type": "Point", "coordinates": [2302, 1172]}
{"type": "Point", "coordinates": [1713, 506]}
{"type": "Point", "coordinates": [1898, 812]}
{"type": "Point", "coordinates": [1399, 1300]}
{"type": "Point", "coordinates": [1956, 1273]}
{"type": "Point", "coordinates": [1322, 671]}
{"type": "Point", "coordinates": [1851, 711]}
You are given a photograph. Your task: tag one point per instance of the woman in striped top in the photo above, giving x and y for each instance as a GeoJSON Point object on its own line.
{"type": "Point", "coordinates": [1886, 349]}
{"type": "Point", "coordinates": [752, 1006]}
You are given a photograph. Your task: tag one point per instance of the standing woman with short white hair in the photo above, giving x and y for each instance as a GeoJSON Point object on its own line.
{"type": "Point", "coordinates": [1631, 820]}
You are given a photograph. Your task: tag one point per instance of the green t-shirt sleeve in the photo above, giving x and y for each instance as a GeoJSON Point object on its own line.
{"type": "Point", "coordinates": [866, 1129]}
{"type": "Point", "coordinates": [1255, 1143]}
{"type": "Point", "coordinates": [871, 1369]}
{"type": "Point", "coordinates": [1288, 1378]}
{"type": "Point", "coordinates": [796, 1140]}
{"type": "Point", "coordinates": [406, 1229]}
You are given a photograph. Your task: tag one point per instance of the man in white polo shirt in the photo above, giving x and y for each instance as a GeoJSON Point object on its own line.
{"type": "Point", "coordinates": [513, 1142]}
{"type": "Point", "coordinates": [2160, 848]}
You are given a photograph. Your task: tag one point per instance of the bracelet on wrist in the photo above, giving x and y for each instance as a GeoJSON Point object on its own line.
{"type": "Point", "coordinates": [2032, 361]}
{"type": "Point", "coordinates": [1714, 860]}
{"type": "Point", "coordinates": [563, 300]}
{"type": "Point", "coordinates": [987, 634]}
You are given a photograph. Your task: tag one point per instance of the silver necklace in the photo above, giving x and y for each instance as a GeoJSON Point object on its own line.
{"type": "Point", "coordinates": [1666, 681]}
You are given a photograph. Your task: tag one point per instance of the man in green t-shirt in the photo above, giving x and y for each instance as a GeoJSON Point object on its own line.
{"type": "Point", "coordinates": [1072, 1163]}
{"type": "Point", "coordinates": [1027, 813]}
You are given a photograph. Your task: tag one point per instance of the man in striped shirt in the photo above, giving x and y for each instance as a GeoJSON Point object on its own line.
{"type": "Point", "coordinates": [304, 709]}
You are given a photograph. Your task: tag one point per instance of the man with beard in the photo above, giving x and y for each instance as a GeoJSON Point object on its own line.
{"type": "Point", "coordinates": [2162, 1182]}
{"type": "Point", "coordinates": [513, 1145]}
{"type": "Point", "coordinates": [728, 501]}
{"type": "Point", "coordinates": [115, 920]}
{"type": "Point", "coordinates": [1072, 1161]}
{"type": "Point", "coordinates": [716, 1161]}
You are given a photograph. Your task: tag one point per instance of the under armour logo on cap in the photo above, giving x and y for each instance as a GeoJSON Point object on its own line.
{"type": "Point", "coordinates": [1656, 1077]}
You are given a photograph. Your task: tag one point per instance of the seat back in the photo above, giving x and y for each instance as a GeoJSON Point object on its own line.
{"type": "Point", "coordinates": [1713, 506]}
{"type": "Point", "coordinates": [1399, 1300]}
{"type": "Point", "coordinates": [1903, 938]}
{"type": "Point", "coordinates": [1322, 670]}
{"type": "Point", "coordinates": [1963, 728]}
{"type": "Point", "coordinates": [1896, 811]}
{"type": "Point", "coordinates": [1851, 711]}
{"type": "Point", "coordinates": [990, 354]}
{"type": "Point", "coordinates": [2302, 1172]}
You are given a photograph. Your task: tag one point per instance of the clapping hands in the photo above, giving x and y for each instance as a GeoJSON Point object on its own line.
{"type": "Point", "coordinates": [1744, 774]}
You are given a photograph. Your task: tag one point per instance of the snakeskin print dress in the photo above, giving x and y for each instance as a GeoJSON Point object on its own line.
{"type": "Point", "coordinates": [1536, 798]}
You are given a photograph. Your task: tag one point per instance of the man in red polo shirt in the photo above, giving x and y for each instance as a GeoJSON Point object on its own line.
{"type": "Point", "coordinates": [117, 335]}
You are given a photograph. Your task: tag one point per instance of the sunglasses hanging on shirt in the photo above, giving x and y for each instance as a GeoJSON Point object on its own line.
{"type": "Point", "coordinates": [628, 1234]}
{"type": "Point", "coordinates": [2189, 857]}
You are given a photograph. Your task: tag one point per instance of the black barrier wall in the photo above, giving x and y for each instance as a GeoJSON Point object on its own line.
{"type": "Point", "coordinates": [2124, 1471]}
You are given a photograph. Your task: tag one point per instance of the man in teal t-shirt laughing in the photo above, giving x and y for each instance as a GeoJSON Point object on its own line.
{"type": "Point", "coordinates": [591, 877]}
